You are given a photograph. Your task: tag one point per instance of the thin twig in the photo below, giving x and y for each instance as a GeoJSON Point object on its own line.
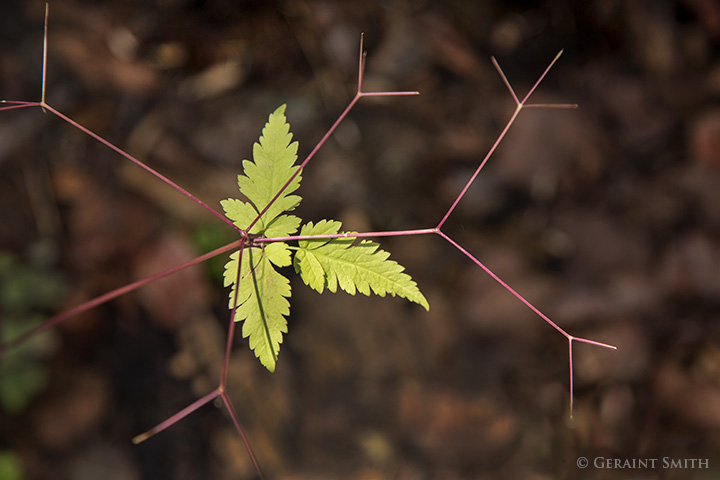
{"type": "Point", "coordinates": [177, 417]}
{"type": "Point", "coordinates": [44, 58]}
{"type": "Point", "coordinates": [142, 165]}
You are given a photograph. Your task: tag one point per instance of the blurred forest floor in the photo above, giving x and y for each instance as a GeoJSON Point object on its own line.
{"type": "Point", "coordinates": [605, 217]}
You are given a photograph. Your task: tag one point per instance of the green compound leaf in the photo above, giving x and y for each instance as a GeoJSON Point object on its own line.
{"type": "Point", "coordinates": [263, 292]}
{"type": "Point", "coordinates": [260, 297]}
{"type": "Point", "coordinates": [361, 267]}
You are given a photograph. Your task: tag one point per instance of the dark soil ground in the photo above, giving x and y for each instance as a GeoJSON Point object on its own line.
{"type": "Point", "coordinates": [607, 218]}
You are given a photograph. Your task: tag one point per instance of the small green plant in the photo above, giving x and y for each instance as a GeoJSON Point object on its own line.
{"type": "Point", "coordinates": [259, 292]}
{"type": "Point", "coordinates": [325, 257]}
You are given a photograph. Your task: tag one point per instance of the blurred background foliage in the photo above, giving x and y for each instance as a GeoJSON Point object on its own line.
{"type": "Point", "coordinates": [604, 217]}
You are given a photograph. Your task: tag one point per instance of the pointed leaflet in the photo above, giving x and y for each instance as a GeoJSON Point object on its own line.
{"type": "Point", "coordinates": [261, 300]}
{"type": "Point", "coordinates": [361, 267]}
{"type": "Point", "coordinates": [274, 163]}
{"type": "Point", "coordinates": [263, 292]}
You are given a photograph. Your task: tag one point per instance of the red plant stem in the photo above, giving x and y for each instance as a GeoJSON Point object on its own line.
{"type": "Point", "coordinates": [571, 339]}
{"type": "Point", "coordinates": [231, 326]}
{"type": "Point", "coordinates": [519, 105]}
{"type": "Point", "coordinates": [480, 167]}
{"type": "Point", "coordinates": [178, 416]}
{"type": "Point", "coordinates": [12, 105]}
{"type": "Point", "coordinates": [116, 293]}
{"type": "Point", "coordinates": [221, 389]}
{"type": "Point", "coordinates": [389, 94]}
{"type": "Point", "coordinates": [20, 102]}
{"type": "Point", "coordinates": [540, 79]}
{"type": "Point", "coordinates": [507, 287]}
{"type": "Point", "coordinates": [520, 297]}
{"type": "Point", "coordinates": [550, 105]}
{"type": "Point", "coordinates": [228, 348]}
{"type": "Point", "coordinates": [141, 165]}
{"type": "Point", "coordinates": [593, 342]}
{"type": "Point", "coordinates": [331, 130]}
{"type": "Point", "coordinates": [392, 233]}
{"type": "Point", "coordinates": [572, 384]}
{"type": "Point", "coordinates": [238, 426]}
{"type": "Point", "coordinates": [504, 285]}
{"type": "Point", "coordinates": [44, 59]}
{"type": "Point", "coordinates": [361, 63]}
{"type": "Point", "coordinates": [307, 159]}
{"type": "Point", "coordinates": [505, 80]}
{"type": "Point", "coordinates": [423, 231]}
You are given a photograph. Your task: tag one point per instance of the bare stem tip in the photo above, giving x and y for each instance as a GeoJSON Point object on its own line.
{"type": "Point", "coordinates": [138, 439]}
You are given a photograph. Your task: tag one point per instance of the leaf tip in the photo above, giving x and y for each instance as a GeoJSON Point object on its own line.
{"type": "Point", "coordinates": [280, 110]}
{"type": "Point", "coordinates": [421, 300]}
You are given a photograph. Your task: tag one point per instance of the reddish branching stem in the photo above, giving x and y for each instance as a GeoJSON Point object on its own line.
{"type": "Point", "coordinates": [178, 416]}
{"type": "Point", "coordinates": [221, 390]}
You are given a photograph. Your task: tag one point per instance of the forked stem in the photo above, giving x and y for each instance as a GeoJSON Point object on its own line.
{"type": "Point", "coordinates": [519, 105]}
{"type": "Point", "coordinates": [572, 339]}
{"type": "Point", "coordinates": [532, 307]}
{"type": "Point", "coordinates": [360, 94]}
{"type": "Point", "coordinates": [221, 391]}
